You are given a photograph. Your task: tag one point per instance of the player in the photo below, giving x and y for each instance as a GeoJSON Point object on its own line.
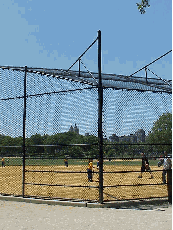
{"type": "Point", "coordinates": [3, 162]}
{"type": "Point", "coordinates": [89, 170]}
{"type": "Point", "coordinates": [98, 164]}
{"type": "Point", "coordinates": [167, 164]}
{"type": "Point", "coordinates": [66, 162]}
{"type": "Point", "coordinates": [145, 166]}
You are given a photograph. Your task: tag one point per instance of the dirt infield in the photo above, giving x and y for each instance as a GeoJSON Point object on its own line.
{"type": "Point", "coordinates": [11, 182]}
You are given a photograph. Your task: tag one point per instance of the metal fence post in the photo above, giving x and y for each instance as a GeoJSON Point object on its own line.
{"type": "Point", "coordinates": [79, 67]}
{"type": "Point", "coordinates": [169, 185]}
{"type": "Point", "coordinates": [24, 147]}
{"type": "Point", "coordinates": [100, 133]}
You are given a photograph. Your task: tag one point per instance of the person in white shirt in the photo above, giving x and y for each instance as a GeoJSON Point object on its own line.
{"type": "Point", "coordinates": [167, 164]}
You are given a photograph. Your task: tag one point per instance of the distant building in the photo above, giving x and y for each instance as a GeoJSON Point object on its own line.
{"type": "Point", "coordinates": [114, 138]}
{"type": "Point", "coordinates": [71, 129]}
{"type": "Point", "coordinates": [74, 130]}
{"type": "Point", "coordinates": [130, 138]}
{"type": "Point", "coordinates": [133, 138]}
{"type": "Point", "coordinates": [140, 134]}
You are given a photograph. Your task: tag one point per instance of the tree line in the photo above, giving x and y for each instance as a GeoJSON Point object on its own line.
{"type": "Point", "coordinates": [75, 145]}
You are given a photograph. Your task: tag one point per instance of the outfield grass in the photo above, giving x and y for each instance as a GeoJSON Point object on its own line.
{"type": "Point", "coordinates": [18, 161]}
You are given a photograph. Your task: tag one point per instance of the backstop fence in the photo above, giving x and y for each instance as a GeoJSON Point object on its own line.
{"type": "Point", "coordinates": [49, 133]}
{"type": "Point", "coordinates": [61, 124]}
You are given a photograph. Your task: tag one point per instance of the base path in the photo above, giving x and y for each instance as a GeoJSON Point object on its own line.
{"type": "Point", "coordinates": [22, 215]}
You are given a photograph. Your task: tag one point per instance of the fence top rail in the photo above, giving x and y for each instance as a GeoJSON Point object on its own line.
{"type": "Point", "coordinates": [51, 157]}
{"type": "Point", "coordinates": [114, 81]}
{"type": "Point", "coordinates": [83, 145]}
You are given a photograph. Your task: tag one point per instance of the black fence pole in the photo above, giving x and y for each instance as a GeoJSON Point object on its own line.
{"type": "Point", "coordinates": [146, 75]}
{"type": "Point", "coordinates": [169, 185]}
{"type": "Point", "coordinates": [100, 133]}
{"type": "Point", "coordinates": [79, 67]}
{"type": "Point", "coordinates": [24, 147]}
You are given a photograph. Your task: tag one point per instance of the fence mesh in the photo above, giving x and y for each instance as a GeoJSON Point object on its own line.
{"type": "Point", "coordinates": [57, 104]}
{"type": "Point", "coordinates": [62, 126]}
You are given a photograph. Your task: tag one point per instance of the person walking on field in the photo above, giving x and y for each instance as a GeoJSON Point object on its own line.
{"type": "Point", "coordinates": [66, 162]}
{"type": "Point", "coordinates": [3, 162]}
{"type": "Point", "coordinates": [98, 164]}
{"type": "Point", "coordinates": [89, 170]}
{"type": "Point", "coordinates": [145, 166]}
{"type": "Point", "coordinates": [167, 164]}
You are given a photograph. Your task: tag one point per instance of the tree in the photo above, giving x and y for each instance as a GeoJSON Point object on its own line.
{"type": "Point", "coordinates": [92, 149]}
{"type": "Point", "coordinates": [9, 141]}
{"type": "Point", "coordinates": [161, 133]}
{"type": "Point", "coordinates": [35, 140]}
{"type": "Point", "coordinates": [142, 6]}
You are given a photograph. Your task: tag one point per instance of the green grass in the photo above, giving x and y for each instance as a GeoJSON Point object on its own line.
{"type": "Point", "coordinates": [16, 161]}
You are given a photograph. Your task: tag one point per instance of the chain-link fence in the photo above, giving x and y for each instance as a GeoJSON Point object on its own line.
{"type": "Point", "coordinates": [47, 150]}
{"type": "Point", "coordinates": [67, 178]}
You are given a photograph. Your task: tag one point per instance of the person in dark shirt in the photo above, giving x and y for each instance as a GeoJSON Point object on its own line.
{"type": "Point", "coordinates": [98, 164]}
{"type": "Point", "coordinates": [145, 166]}
{"type": "Point", "coordinates": [3, 162]}
{"type": "Point", "coordinates": [66, 162]}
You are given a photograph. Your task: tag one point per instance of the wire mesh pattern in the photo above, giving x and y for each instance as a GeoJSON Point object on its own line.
{"type": "Point", "coordinates": [53, 105]}
{"type": "Point", "coordinates": [123, 180]}
{"type": "Point", "coordinates": [11, 172]}
{"type": "Point", "coordinates": [62, 135]}
{"type": "Point", "coordinates": [125, 112]}
{"type": "Point", "coordinates": [54, 178]}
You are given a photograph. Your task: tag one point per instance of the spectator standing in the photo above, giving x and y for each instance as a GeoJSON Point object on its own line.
{"type": "Point", "coordinates": [167, 164]}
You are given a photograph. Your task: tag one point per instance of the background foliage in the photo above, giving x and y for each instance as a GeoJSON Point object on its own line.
{"type": "Point", "coordinates": [75, 145]}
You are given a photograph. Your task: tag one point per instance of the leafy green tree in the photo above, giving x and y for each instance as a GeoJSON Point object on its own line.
{"type": "Point", "coordinates": [161, 134]}
{"type": "Point", "coordinates": [63, 142]}
{"type": "Point", "coordinates": [36, 139]}
{"type": "Point", "coordinates": [142, 6]}
{"type": "Point", "coordinates": [92, 149]}
{"type": "Point", "coordinates": [110, 152]}
{"type": "Point", "coordinates": [18, 141]}
{"type": "Point", "coordinates": [8, 141]}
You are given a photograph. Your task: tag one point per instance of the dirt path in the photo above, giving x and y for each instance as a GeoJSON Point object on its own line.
{"type": "Point", "coordinates": [21, 215]}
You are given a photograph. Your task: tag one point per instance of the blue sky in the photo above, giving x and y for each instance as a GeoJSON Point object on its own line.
{"type": "Point", "coordinates": [54, 34]}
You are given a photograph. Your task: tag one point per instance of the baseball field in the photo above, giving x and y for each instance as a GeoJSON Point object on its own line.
{"type": "Point", "coordinates": [51, 178]}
